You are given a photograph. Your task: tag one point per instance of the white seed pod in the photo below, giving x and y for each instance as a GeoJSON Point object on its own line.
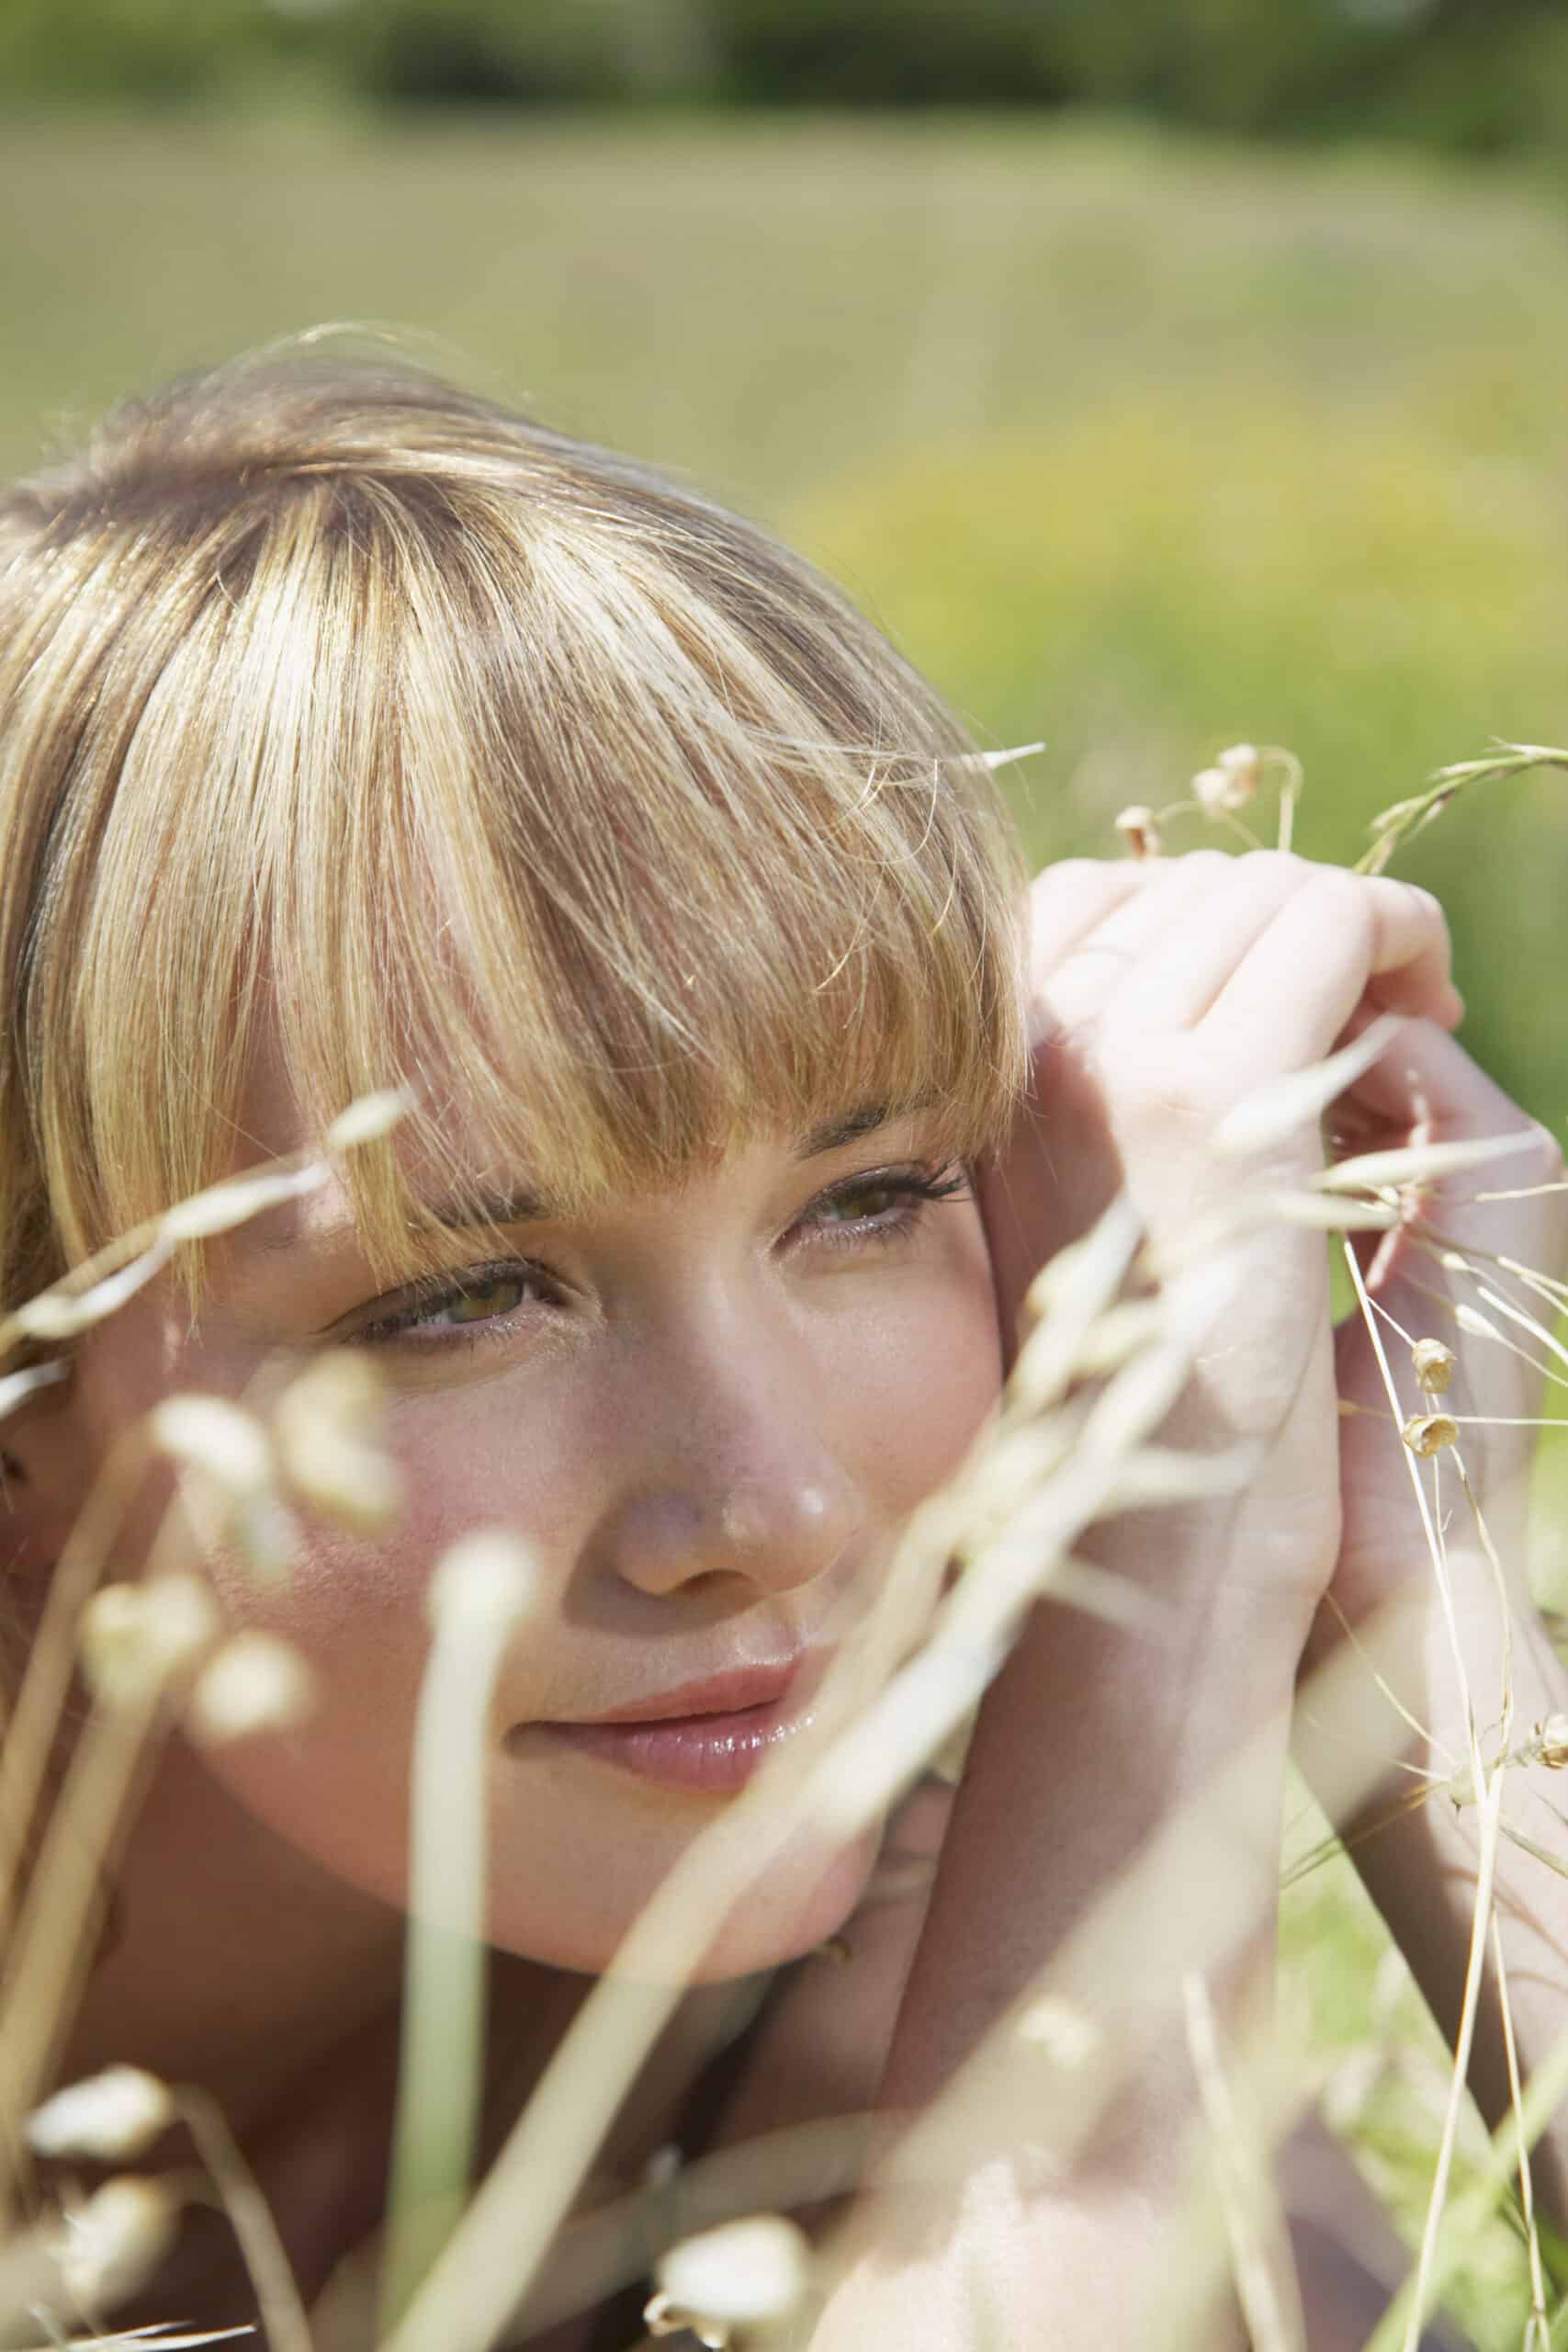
{"type": "Point", "coordinates": [372, 1116]}
{"type": "Point", "coordinates": [483, 1584]}
{"type": "Point", "coordinates": [254, 1683]}
{"type": "Point", "coordinates": [1428, 1433]}
{"type": "Point", "coordinates": [1552, 1735]}
{"type": "Point", "coordinates": [744, 2273]}
{"type": "Point", "coordinates": [219, 1441]}
{"type": "Point", "coordinates": [133, 1637]}
{"type": "Point", "coordinates": [1218, 792]}
{"type": "Point", "coordinates": [60, 1314]}
{"type": "Point", "coordinates": [1139, 827]}
{"type": "Point", "coordinates": [326, 1424]}
{"type": "Point", "coordinates": [113, 2242]}
{"type": "Point", "coordinates": [108, 2119]}
{"type": "Point", "coordinates": [17, 1386]}
{"type": "Point", "coordinates": [1064, 2032]}
{"type": "Point", "coordinates": [229, 1474]}
{"type": "Point", "coordinates": [1434, 1365]}
{"type": "Point", "coordinates": [662, 2316]}
{"type": "Point", "coordinates": [237, 1200]}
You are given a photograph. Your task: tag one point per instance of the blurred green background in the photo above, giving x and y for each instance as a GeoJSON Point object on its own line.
{"type": "Point", "coordinates": [1161, 377]}
{"type": "Point", "coordinates": [1139, 440]}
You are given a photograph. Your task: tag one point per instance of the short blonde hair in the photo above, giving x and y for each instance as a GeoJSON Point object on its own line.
{"type": "Point", "coordinates": [336, 696]}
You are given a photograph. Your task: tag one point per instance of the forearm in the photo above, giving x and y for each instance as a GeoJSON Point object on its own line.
{"type": "Point", "coordinates": [1421, 1862]}
{"type": "Point", "coordinates": [1116, 1831]}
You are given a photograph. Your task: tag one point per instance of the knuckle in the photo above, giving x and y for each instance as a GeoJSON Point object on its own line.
{"type": "Point", "coordinates": [1065, 878]}
{"type": "Point", "coordinates": [1157, 1093]}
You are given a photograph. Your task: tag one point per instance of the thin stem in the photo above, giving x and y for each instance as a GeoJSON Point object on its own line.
{"type": "Point", "coordinates": [271, 2274]}
{"type": "Point", "coordinates": [1537, 2334]}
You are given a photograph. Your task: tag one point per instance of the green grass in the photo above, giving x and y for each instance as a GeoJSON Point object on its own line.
{"type": "Point", "coordinates": [1138, 445]}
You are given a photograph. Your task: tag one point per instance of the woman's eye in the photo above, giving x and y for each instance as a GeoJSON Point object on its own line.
{"type": "Point", "coordinates": [884, 1204]}
{"type": "Point", "coordinates": [480, 1304]}
{"type": "Point", "coordinates": [870, 1200]}
{"type": "Point", "coordinates": [436, 1307]}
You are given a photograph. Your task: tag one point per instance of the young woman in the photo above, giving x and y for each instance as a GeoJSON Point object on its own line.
{"type": "Point", "coordinates": [352, 729]}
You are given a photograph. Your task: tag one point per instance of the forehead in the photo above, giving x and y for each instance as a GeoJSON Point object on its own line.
{"type": "Point", "coordinates": [475, 1177]}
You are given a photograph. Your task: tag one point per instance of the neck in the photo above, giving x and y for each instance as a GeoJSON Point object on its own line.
{"type": "Point", "coordinates": [238, 1964]}
{"type": "Point", "coordinates": [233, 1962]}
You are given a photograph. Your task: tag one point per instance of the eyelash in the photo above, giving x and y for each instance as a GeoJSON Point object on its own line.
{"type": "Point", "coordinates": [912, 1190]}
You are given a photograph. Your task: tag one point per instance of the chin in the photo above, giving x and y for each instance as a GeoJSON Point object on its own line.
{"type": "Point", "coordinates": [805, 1896]}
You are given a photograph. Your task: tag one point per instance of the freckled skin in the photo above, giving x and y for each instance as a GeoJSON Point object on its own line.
{"type": "Point", "coordinates": [711, 1434]}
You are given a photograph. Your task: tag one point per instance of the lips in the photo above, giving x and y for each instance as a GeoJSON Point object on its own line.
{"type": "Point", "coordinates": [722, 1694]}
{"type": "Point", "coordinates": [707, 1736]}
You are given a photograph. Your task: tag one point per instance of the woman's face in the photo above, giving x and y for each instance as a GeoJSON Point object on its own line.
{"type": "Point", "coordinates": [708, 1410]}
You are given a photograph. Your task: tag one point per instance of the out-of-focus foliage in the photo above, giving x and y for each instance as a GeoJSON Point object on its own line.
{"type": "Point", "coordinates": [1184, 567]}
{"type": "Point", "coordinates": [1476, 76]}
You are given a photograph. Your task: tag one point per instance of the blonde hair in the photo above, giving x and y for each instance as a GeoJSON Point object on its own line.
{"type": "Point", "coordinates": [335, 696]}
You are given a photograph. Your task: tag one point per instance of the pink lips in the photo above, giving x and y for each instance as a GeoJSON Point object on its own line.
{"type": "Point", "coordinates": [709, 1737]}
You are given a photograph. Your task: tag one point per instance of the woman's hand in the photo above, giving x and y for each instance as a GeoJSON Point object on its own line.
{"type": "Point", "coordinates": [1166, 992]}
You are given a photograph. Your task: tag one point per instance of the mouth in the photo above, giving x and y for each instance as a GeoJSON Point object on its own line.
{"type": "Point", "coordinates": [707, 1738]}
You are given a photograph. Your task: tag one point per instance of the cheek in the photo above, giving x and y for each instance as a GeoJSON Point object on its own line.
{"type": "Point", "coordinates": [918, 1383]}
{"type": "Point", "coordinates": [356, 1609]}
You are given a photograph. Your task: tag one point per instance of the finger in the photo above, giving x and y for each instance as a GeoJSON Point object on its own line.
{"type": "Point", "coordinates": [1340, 939]}
{"type": "Point", "coordinates": [1097, 963]}
{"type": "Point", "coordinates": [1067, 900]}
{"type": "Point", "coordinates": [1283, 954]}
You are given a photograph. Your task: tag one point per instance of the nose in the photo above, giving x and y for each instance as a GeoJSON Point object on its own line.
{"type": "Point", "coordinates": [735, 1479]}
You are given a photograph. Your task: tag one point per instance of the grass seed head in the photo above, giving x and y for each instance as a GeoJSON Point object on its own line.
{"type": "Point", "coordinates": [484, 1583]}
{"type": "Point", "coordinates": [1552, 1735]}
{"type": "Point", "coordinates": [227, 1462]}
{"type": "Point", "coordinates": [108, 2119]}
{"type": "Point", "coordinates": [1139, 827]}
{"type": "Point", "coordinates": [115, 2241]}
{"type": "Point", "coordinates": [1428, 1433]}
{"type": "Point", "coordinates": [327, 1426]}
{"type": "Point", "coordinates": [1434, 1365]}
{"type": "Point", "coordinates": [1231, 784]}
{"type": "Point", "coordinates": [254, 1683]}
{"type": "Point", "coordinates": [1063, 2032]}
{"type": "Point", "coordinates": [369, 1118]}
{"type": "Point", "coordinates": [744, 2273]}
{"type": "Point", "coordinates": [135, 1637]}
{"type": "Point", "coordinates": [217, 1440]}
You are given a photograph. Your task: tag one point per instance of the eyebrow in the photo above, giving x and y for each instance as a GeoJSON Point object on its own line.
{"type": "Point", "coordinates": [532, 1208]}
{"type": "Point", "coordinates": [470, 1211]}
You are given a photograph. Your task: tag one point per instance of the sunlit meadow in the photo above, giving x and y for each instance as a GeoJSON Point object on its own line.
{"type": "Point", "coordinates": [1137, 446]}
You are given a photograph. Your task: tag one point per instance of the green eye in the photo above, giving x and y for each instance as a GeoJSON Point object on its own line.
{"type": "Point", "coordinates": [871, 1200]}
{"type": "Point", "coordinates": [486, 1300]}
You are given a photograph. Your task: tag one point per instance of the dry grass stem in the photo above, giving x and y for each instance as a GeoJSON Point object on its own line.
{"type": "Point", "coordinates": [51, 1658]}
{"type": "Point", "coordinates": [1398, 826]}
{"type": "Point", "coordinates": [1260, 2242]}
{"type": "Point", "coordinates": [478, 1596]}
{"type": "Point", "coordinates": [1537, 2330]}
{"type": "Point", "coordinates": [268, 2265]}
{"type": "Point", "coordinates": [1281, 1108]}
